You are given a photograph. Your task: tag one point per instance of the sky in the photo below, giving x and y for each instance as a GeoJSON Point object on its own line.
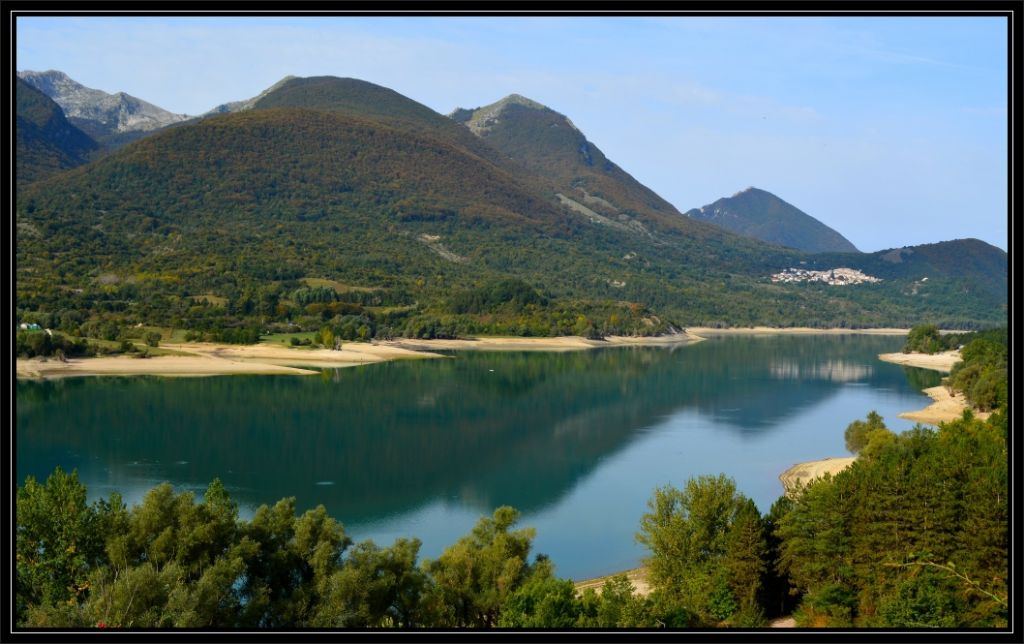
{"type": "Point", "coordinates": [891, 130]}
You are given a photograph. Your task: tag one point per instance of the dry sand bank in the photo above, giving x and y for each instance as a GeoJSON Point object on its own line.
{"type": "Point", "coordinates": [936, 361]}
{"type": "Point", "coordinates": [637, 577]}
{"type": "Point", "coordinates": [804, 472]}
{"type": "Point", "coordinates": [351, 355]}
{"type": "Point", "coordinates": [208, 359]}
{"type": "Point", "coordinates": [946, 407]}
{"type": "Point", "coordinates": [193, 365]}
{"type": "Point", "coordinates": [561, 343]}
{"type": "Point", "coordinates": [767, 330]}
{"type": "Point", "coordinates": [212, 359]}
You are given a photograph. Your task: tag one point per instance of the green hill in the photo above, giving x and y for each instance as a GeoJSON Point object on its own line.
{"type": "Point", "coordinates": [958, 274]}
{"type": "Point", "coordinates": [46, 143]}
{"type": "Point", "coordinates": [233, 225]}
{"type": "Point", "coordinates": [761, 215]}
{"type": "Point", "coordinates": [548, 144]}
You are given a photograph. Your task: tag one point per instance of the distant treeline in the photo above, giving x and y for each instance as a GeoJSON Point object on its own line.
{"type": "Point", "coordinates": [507, 306]}
{"type": "Point", "coordinates": [913, 535]}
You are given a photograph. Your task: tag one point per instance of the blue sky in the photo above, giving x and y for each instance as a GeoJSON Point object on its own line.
{"type": "Point", "coordinates": [890, 130]}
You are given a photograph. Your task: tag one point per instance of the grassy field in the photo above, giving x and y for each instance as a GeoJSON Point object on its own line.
{"type": "Point", "coordinates": [215, 300]}
{"type": "Point", "coordinates": [284, 339]}
{"type": "Point", "coordinates": [337, 286]}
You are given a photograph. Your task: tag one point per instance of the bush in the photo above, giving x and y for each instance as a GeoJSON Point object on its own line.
{"type": "Point", "coordinates": [923, 338]}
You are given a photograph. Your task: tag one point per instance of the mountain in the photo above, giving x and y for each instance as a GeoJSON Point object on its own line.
{"type": "Point", "coordinates": [336, 202]}
{"type": "Point", "coordinates": [549, 144]}
{"type": "Point", "coordinates": [761, 215]}
{"type": "Point", "coordinates": [245, 104]}
{"type": "Point", "coordinates": [975, 266]}
{"type": "Point", "coordinates": [112, 119]}
{"type": "Point", "coordinates": [46, 142]}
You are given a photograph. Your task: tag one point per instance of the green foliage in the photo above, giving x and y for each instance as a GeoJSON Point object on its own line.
{"type": "Point", "coordinates": [474, 577]}
{"type": "Point", "coordinates": [59, 539]}
{"type": "Point", "coordinates": [509, 292]}
{"type": "Point", "coordinates": [982, 373]}
{"type": "Point", "coordinates": [30, 344]}
{"type": "Point", "coordinates": [923, 338]}
{"type": "Point", "coordinates": [867, 436]}
{"type": "Point", "coordinates": [913, 535]}
{"type": "Point", "coordinates": [924, 601]}
{"type": "Point", "coordinates": [46, 142]}
{"type": "Point", "coordinates": [707, 547]}
{"type": "Point", "coordinates": [858, 432]}
{"type": "Point", "coordinates": [215, 227]}
{"type": "Point", "coordinates": [543, 601]}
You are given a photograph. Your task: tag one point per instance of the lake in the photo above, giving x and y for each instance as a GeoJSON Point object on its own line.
{"type": "Point", "coordinates": [576, 441]}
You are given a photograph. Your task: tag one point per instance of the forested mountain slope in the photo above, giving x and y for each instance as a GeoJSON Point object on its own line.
{"type": "Point", "coordinates": [46, 142]}
{"type": "Point", "coordinates": [240, 219]}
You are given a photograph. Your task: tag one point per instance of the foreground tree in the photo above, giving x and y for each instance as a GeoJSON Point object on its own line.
{"type": "Point", "coordinates": [707, 548]}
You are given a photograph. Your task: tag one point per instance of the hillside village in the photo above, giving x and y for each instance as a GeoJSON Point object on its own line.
{"type": "Point", "coordinates": [833, 277]}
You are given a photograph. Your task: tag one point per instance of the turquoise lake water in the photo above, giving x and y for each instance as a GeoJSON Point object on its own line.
{"type": "Point", "coordinates": [576, 441]}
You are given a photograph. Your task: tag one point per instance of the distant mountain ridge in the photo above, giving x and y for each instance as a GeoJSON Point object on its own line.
{"type": "Point", "coordinates": [46, 142]}
{"type": "Point", "coordinates": [106, 117]}
{"type": "Point", "coordinates": [342, 180]}
{"type": "Point", "coordinates": [760, 214]}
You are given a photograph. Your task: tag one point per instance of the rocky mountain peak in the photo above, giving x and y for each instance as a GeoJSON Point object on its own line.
{"type": "Point", "coordinates": [482, 119]}
{"type": "Point", "coordinates": [118, 112]}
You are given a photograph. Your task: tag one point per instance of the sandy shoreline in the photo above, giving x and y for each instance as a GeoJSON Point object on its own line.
{"type": "Point", "coordinates": [943, 361]}
{"type": "Point", "coordinates": [768, 330]}
{"type": "Point", "coordinates": [208, 359]}
{"type": "Point", "coordinates": [560, 343]}
{"type": "Point", "coordinates": [946, 407]}
{"type": "Point", "coordinates": [802, 473]}
{"type": "Point", "coordinates": [212, 359]}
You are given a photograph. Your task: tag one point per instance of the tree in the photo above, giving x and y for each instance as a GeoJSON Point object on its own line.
{"type": "Point", "coordinates": [858, 432]}
{"type": "Point", "coordinates": [923, 338]}
{"type": "Point", "coordinates": [543, 601]}
{"type": "Point", "coordinates": [689, 533]}
{"type": "Point", "coordinates": [58, 540]}
{"type": "Point", "coordinates": [375, 587]}
{"type": "Point", "coordinates": [474, 577]}
{"type": "Point", "coordinates": [746, 556]}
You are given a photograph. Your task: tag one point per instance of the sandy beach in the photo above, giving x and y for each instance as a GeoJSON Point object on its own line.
{"type": "Point", "coordinates": [212, 359]}
{"type": "Point", "coordinates": [804, 472]}
{"type": "Point", "coordinates": [768, 330]}
{"type": "Point", "coordinates": [945, 408]}
{"type": "Point", "coordinates": [178, 366]}
{"type": "Point", "coordinates": [208, 359]}
{"type": "Point", "coordinates": [561, 343]}
{"type": "Point", "coordinates": [943, 361]}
